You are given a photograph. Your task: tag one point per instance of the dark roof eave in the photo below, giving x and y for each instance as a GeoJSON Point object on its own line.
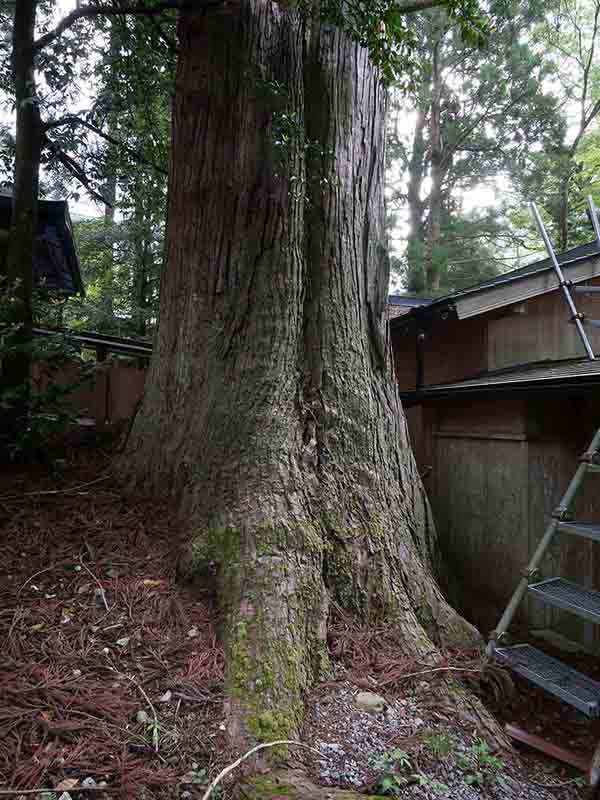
{"type": "Point", "coordinates": [583, 382]}
{"type": "Point", "coordinates": [435, 309]}
{"type": "Point", "coordinates": [100, 341]}
{"type": "Point", "coordinates": [438, 307]}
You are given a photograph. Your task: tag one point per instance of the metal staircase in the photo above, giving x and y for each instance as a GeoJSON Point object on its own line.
{"type": "Point", "coordinates": [550, 674]}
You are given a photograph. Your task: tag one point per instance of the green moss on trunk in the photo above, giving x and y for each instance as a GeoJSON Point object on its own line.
{"type": "Point", "coordinates": [296, 787]}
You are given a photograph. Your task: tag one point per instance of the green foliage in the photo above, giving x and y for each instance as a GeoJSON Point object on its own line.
{"type": "Point", "coordinates": [397, 772]}
{"type": "Point", "coordinates": [496, 107]}
{"type": "Point", "coordinates": [387, 32]}
{"type": "Point", "coordinates": [466, 254]}
{"type": "Point", "coordinates": [481, 768]}
{"type": "Point", "coordinates": [559, 174]}
{"type": "Point", "coordinates": [200, 777]}
{"type": "Point", "coordinates": [110, 265]}
{"type": "Point", "coordinates": [46, 397]}
{"type": "Point", "coordinates": [440, 745]}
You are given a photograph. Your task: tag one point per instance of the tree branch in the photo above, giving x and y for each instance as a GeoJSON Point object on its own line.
{"type": "Point", "coordinates": [75, 120]}
{"type": "Point", "coordinates": [86, 12]}
{"type": "Point", "coordinates": [587, 69]}
{"type": "Point", "coordinates": [76, 171]}
{"type": "Point", "coordinates": [418, 5]}
{"type": "Point", "coordinates": [171, 45]}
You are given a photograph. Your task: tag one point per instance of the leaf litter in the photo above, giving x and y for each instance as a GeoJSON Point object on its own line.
{"type": "Point", "coordinates": [111, 674]}
{"type": "Point", "coordinates": [95, 630]}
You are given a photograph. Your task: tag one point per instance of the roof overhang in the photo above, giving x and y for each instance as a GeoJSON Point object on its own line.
{"type": "Point", "coordinates": [568, 375]}
{"type": "Point", "coordinates": [525, 288]}
{"type": "Point", "coordinates": [55, 213]}
{"type": "Point", "coordinates": [578, 265]}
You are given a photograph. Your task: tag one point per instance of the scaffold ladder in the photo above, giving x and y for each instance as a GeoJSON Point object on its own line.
{"type": "Point", "coordinates": [545, 671]}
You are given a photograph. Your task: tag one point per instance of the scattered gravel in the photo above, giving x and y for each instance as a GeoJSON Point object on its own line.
{"type": "Point", "coordinates": [353, 742]}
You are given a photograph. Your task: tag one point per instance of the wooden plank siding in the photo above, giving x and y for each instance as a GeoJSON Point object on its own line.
{"type": "Point", "coordinates": [499, 468]}
{"type": "Point", "coordinates": [454, 349]}
{"type": "Point", "coordinates": [539, 329]}
{"type": "Point", "coordinates": [477, 488]}
{"type": "Point", "coordinates": [109, 397]}
{"type": "Point", "coordinates": [560, 431]}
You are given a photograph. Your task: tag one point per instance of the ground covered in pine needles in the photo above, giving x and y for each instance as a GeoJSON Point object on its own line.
{"type": "Point", "coordinates": [110, 669]}
{"type": "Point", "coordinates": [111, 672]}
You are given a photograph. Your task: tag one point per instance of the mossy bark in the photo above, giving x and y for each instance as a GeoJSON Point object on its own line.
{"type": "Point", "coordinates": [295, 786]}
{"type": "Point", "coordinates": [271, 409]}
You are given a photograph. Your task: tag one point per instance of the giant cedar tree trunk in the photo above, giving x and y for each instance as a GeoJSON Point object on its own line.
{"type": "Point", "coordinates": [270, 408]}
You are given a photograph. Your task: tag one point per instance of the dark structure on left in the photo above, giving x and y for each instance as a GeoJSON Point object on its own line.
{"type": "Point", "coordinates": [56, 265]}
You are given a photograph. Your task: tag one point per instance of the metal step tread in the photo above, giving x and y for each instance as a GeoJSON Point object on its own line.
{"type": "Point", "coordinates": [570, 596]}
{"type": "Point", "coordinates": [590, 530]}
{"type": "Point", "coordinates": [552, 675]}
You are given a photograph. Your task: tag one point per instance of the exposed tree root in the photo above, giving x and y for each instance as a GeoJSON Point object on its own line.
{"type": "Point", "coordinates": [293, 785]}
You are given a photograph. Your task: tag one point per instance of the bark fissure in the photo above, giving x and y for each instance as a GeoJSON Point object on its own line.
{"type": "Point", "coordinates": [271, 408]}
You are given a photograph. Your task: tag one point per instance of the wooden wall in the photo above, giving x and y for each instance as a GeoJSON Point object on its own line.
{"type": "Point", "coordinates": [560, 431]}
{"type": "Point", "coordinates": [539, 329]}
{"type": "Point", "coordinates": [499, 468]}
{"type": "Point", "coordinates": [453, 350]}
{"type": "Point", "coordinates": [109, 398]}
{"type": "Point", "coordinates": [535, 330]}
{"type": "Point", "coordinates": [478, 491]}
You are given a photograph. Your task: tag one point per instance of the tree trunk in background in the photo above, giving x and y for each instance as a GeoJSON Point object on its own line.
{"type": "Point", "coordinates": [23, 230]}
{"type": "Point", "coordinates": [563, 209]}
{"type": "Point", "coordinates": [270, 407]}
{"type": "Point", "coordinates": [432, 272]}
{"type": "Point", "coordinates": [109, 191]}
{"type": "Point", "coordinates": [139, 286]}
{"type": "Point", "coordinates": [110, 195]}
{"type": "Point", "coordinates": [415, 250]}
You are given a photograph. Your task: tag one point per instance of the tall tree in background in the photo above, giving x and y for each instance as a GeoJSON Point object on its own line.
{"type": "Point", "coordinates": [45, 134]}
{"type": "Point", "coordinates": [271, 410]}
{"type": "Point", "coordinates": [121, 260]}
{"type": "Point", "coordinates": [17, 280]}
{"type": "Point", "coordinates": [476, 114]}
{"type": "Point", "coordinates": [556, 176]}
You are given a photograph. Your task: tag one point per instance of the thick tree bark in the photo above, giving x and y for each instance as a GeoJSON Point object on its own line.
{"type": "Point", "coordinates": [23, 230]}
{"type": "Point", "coordinates": [271, 409]}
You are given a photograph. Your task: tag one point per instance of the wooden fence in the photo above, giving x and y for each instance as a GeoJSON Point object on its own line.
{"type": "Point", "coordinates": [108, 397]}
{"type": "Point", "coordinates": [111, 395]}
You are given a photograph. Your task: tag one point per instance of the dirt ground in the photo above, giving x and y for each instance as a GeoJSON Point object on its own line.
{"type": "Point", "coordinates": [111, 672]}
